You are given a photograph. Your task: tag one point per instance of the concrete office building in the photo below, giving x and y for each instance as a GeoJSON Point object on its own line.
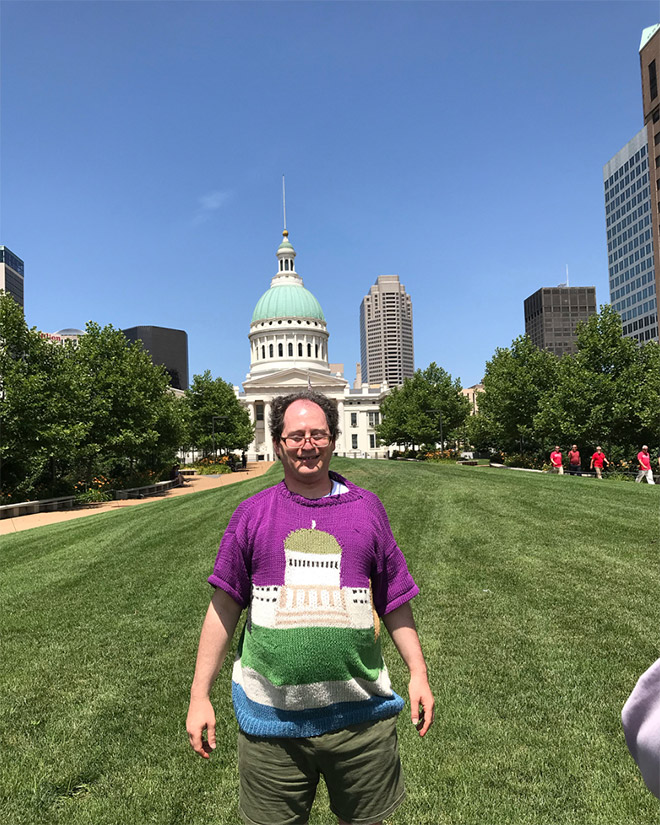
{"type": "Point", "coordinates": [289, 352]}
{"type": "Point", "coordinates": [386, 333]}
{"type": "Point", "coordinates": [12, 275]}
{"type": "Point", "coordinates": [168, 347]}
{"type": "Point", "coordinates": [632, 212]}
{"type": "Point", "coordinates": [552, 313]}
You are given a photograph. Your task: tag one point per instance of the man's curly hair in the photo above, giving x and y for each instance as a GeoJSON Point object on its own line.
{"type": "Point", "coordinates": [280, 405]}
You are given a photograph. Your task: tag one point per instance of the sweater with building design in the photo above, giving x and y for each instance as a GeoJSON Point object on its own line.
{"type": "Point", "coordinates": [315, 575]}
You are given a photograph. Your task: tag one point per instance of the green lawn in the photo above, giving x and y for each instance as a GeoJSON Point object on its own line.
{"type": "Point", "coordinates": [539, 609]}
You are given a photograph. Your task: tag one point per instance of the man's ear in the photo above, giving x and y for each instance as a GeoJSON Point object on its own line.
{"type": "Point", "coordinates": [276, 448]}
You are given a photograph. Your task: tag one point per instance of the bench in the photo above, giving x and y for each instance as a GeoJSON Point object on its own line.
{"type": "Point", "coordinates": [156, 489]}
{"type": "Point", "coordinates": [28, 508]}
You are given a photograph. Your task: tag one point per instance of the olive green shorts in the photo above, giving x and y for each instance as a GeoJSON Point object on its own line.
{"type": "Point", "coordinates": [360, 765]}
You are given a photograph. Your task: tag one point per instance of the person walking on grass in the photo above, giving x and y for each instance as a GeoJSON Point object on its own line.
{"type": "Point", "coordinates": [556, 461]}
{"type": "Point", "coordinates": [315, 562]}
{"type": "Point", "coordinates": [645, 471]}
{"type": "Point", "coordinates": [574, 461]}
{"type": "Point", "coordinates": [597, 461]}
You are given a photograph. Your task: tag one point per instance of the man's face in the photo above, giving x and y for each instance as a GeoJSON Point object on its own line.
{"type": "Point", "coordinates": [305, 463]}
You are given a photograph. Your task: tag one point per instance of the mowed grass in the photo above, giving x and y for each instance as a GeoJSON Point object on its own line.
{"type": "Point", "coordinates": [538, 611]}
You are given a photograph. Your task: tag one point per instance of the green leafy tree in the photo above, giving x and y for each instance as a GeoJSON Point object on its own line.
{"type": "Point", "coordinates": [37, 417]}
{"type": "Point", "coordinates": [216, 419]}
{"type": "Point", "coordinates": [425, 409]}
{"type": "Point", "coordinates": [607, 393]}
{"type": "Point", "coordinates": [129, 417]}
{"type": "Point", "coordinates": [516, 380]}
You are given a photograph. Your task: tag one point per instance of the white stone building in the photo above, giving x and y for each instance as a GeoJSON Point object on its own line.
{"type": "Point", "coordinates": [289, 352]}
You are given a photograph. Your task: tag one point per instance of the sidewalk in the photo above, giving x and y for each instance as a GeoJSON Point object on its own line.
{"type": "Point", "coordinates": [194, 484]}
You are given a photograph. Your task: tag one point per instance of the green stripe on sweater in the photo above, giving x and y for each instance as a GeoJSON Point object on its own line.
{"type": "Point", "coordinates": [298, 656]}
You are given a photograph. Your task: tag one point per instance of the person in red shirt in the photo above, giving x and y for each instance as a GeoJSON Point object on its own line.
{"type": "Point", "coordinates": [597, 461]}
{"type": "Point", "coordinates": [574, 461]}
{"type": "Point", "coordinates": [645, 470]}
{"type": "Point", "coordinates": [555, 460]}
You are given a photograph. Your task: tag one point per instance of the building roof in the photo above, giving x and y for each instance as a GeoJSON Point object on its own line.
{"type": "Point", "coordinates": [287, 297]}
{"type": "Point", "coordinates": [287, 301]}
{"type": "Point", "coordinates": [647, 35]}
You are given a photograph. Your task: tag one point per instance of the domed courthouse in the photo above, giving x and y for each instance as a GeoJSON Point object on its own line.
{"type": "Point", "coordinates": [288, 352]}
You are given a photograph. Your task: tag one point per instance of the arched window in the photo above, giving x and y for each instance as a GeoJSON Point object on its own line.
{"type": "Point", "coordinates": [300, 350]}
{"type": "Point", "coordinates": [270, 350]}
{"type": "Point", "coordinates": [316, 351]}
{"type": "Point", "coordinates": [286, 265]}
{"type": "Point", "coordinates": [281, 265]}
{"type": "Point", "coordinates": [280, 350]}
{"type": "Point", "coordinates": [290, 350]}
{"type": "Point", "coordinates": [263, 352]}
{"type": "Point", "coordinates": [309, 350]}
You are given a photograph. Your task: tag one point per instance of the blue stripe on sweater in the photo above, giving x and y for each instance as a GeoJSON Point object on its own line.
{"type": "Point", "coordinates": [264, 720]}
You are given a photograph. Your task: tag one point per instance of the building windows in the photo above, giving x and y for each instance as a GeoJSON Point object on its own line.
{"type": "Point", "coordinates": [280, 350]}
{"type": "Point", "coordinates": [354, 441]}
{"type": "Point", "coordinates": [653, 80]}
{"type": "Point", "coordinates": [259, 412]}
{"type": "Point", "coordinates": [374, 419]}
{"type": "Point", "coordinates": [372, 441]}
{"type": "Point", "coordinates": [309, 350]}
{"type": "Point", "coordinates": [270, 350]}
{"type": "Point", "coordinates": [300, 350]}
{"type": "Point", "coordinates": [353, 419]}
{"type": "Point", "coordinates": [316, 351]}
{"type": "Point", "coordinates": [290, 350]}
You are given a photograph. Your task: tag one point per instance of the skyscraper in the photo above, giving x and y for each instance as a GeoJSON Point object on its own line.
{"type": "Point", "coordinates": [386, 333]}
{"type": "Point", "coordinates": [631, 209]}
{"type": "Point", "coordinates": [552, 313]}
{"type": "Point", "coordinates": [168, 347]}
{"type": "Point", "coordinates": [11, 275]}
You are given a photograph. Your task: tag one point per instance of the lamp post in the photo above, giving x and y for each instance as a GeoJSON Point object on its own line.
{"type": "Point", "coordinates": [439, 413]}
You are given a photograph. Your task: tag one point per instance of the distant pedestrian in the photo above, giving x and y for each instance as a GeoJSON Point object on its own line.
{"type": "Point", "coordinates": [645, 470]}
{"type": "Point", "coordinates": [597, 461]}
{"type": "Point", "coordinates": [244, 460]}
{"type": "Point", "coordinates": [574, 461]}
{"type": "Point", "coordinates": [556, 461]}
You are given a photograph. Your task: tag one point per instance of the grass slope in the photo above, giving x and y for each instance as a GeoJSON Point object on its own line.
{"type": "Point", "coordinates": [539, 609]}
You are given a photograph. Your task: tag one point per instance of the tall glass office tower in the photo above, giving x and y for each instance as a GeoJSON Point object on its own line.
{"type": "Point", "coordinates": [630, 247]}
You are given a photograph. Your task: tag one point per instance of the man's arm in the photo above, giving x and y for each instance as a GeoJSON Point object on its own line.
{"type": "Point", "coordinates": [401, 627]}
{"type": "Point", "coordinates": [217, 631]}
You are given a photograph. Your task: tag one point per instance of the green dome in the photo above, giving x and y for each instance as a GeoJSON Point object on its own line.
{"type": "Point", "coordinates": [287, 301]}
{"type": "Point", "coordinates": [284, 245]}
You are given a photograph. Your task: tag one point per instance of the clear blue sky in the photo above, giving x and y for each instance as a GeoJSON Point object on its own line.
{"type": "Point", "coordinates": [459, 145]}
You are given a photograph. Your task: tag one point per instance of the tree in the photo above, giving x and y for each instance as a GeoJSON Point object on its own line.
{"type": "Point", "coordinates": [129, 417]}
{"type": "Point", "coordinates": [37, 416]}
{"type": "Point", "coordinates": [216, 419]}
{"type": "Point", "coordinates": [427, 409]}
{"type": "Point", "coordinates": [516, 380]}
{"type": "Point", "coordinates": [607, 393]}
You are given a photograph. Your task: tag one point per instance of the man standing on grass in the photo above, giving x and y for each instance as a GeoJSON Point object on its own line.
{"type": "Point", "coordinates": [315, 562]}
{"type": "Point", "coordinates": [645, 470]}
{"type": "Point", "coordinates": [556, 461]}
{"type": "Point", "coordinates": [597, 461]}
{"type": "Point", "coordinates": [574, 461]}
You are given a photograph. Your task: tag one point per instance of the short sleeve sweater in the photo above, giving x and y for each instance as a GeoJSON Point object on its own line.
{"type": "Point", "coordinates": [315, 575]}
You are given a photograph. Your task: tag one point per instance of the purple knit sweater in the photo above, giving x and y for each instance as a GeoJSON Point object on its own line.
{"type": "Point", "coordinates": [315, 574]}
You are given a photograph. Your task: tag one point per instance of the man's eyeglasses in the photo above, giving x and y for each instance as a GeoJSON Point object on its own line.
{"type": "Point", "coordinates": [315, 439]}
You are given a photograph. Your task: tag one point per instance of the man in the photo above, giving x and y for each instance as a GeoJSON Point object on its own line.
{"type": "Point", "coordinates": [574, 461]}
{"type": "Point", "coordinates": [597, 461]}
{"type": "Point", "coordinates": [315, 560]}
{"type": "Point", "coordinates": [645, 470]}
{"type": "Point", "coordinates": [556, 461]}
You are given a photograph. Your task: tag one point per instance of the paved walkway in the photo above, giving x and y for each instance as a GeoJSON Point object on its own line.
{"type": "Point", "coordinates": [195, 484]}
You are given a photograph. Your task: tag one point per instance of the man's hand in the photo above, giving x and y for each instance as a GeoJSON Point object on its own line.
{"type": "Point", "coordinates": [401, 627]}
{"type": "Point", "coordinates": [201, 717]}
{"type": "Point", "coordinates": [422, 703]}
